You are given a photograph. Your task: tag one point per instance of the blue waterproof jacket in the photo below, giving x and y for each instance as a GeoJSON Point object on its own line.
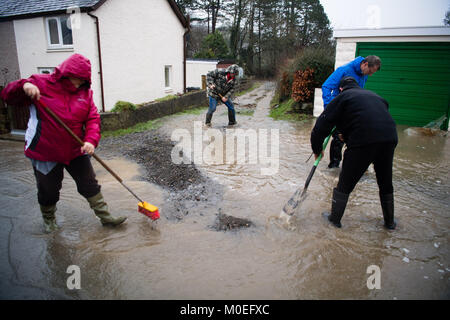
{"type": "Point", "coordinates": [330, 88]}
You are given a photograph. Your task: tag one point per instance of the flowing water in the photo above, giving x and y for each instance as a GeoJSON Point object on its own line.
{"type": "Point", "coordinates": [189, 259]}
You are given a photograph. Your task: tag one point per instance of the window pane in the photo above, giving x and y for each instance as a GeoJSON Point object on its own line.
{"type": "Point", "coordinates": [46, 70]}
{"type": "Point", "coordinates": [66, 32]}
{"type": "Point", "coordinates": [53, 31]}
{"type": "Point", "coordinates": [167, 75]}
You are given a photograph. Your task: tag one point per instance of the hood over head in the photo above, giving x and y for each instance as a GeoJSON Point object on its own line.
{"type": "Point", "coordinates": [76, 66]}
{"type": "Point", "coordinates": [233, 69]}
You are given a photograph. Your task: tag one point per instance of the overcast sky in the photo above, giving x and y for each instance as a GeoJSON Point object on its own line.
{"type": "Point", "coordinates": [345, 14]}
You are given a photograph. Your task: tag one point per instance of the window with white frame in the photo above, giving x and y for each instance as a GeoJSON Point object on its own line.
{"type": "Point", "coordinates": [167, 76]}
{"type": "Point", "coordinates": [59, 32]}
{"type": "Point", "coordinates": [46, 70]}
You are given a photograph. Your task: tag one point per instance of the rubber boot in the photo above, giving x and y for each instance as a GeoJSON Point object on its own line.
{"type": "Point", "coordinates": [387, 205]}
{"type": "Point", "coordinates": [100, 208]}
{"type": "Point", "coordinates": [48, 214]}
{"type": "Point", "coordinates": [208, 119]}
{"type": "Point", "coordinates": [338, 205]}
{"type": "Point", "coordinates": [231, 118]}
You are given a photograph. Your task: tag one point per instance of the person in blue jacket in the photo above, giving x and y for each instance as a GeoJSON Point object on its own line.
{"type": "Point", "coordinates": [359, 69]}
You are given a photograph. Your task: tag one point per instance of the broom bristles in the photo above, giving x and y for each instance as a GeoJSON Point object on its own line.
{"type": "Point", "coordinates": [148, 210]}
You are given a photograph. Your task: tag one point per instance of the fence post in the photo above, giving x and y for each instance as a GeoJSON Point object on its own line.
{"type": "Point", "coordinates": [203, 82]}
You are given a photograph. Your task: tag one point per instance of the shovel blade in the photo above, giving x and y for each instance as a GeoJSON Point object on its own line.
{"type": "Point", "coordinates": [293, 203]}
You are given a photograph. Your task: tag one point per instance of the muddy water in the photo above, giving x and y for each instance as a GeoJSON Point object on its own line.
{"type": "Point", "coordinates": [189, 259]}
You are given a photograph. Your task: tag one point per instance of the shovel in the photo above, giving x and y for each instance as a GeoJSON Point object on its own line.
{"type": "Point", "coordinates": [145, 208]}
{"type": "Point", "coordinates": [299, 195]}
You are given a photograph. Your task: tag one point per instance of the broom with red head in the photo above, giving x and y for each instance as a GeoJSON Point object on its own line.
{"type": "Point", "coordinates": [145, 208]}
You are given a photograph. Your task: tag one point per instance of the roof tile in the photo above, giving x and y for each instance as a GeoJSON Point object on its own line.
{"type": "Point", "coordinates": [11, 8]}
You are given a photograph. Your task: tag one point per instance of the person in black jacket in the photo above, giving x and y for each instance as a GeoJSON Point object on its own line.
{"type": "Point", "coordinates": [371, 137]}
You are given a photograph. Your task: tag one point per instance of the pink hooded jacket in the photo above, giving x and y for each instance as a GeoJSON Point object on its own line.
{"type": "Point", "coordinates": [45, 139]}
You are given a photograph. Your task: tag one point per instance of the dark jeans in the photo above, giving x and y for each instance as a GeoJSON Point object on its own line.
{"type": "Point", "coordinates": [357, 160]}
{"type": "Point", "coordinates": [213, 105]}
{"type": "Point", "coordinates": [81, 171]}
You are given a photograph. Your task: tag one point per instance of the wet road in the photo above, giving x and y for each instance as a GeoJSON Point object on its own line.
{"type": "Point", "coordinates": [188, 259]}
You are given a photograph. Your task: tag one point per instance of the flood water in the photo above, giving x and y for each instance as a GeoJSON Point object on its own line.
{"type": "Point", "coordinates": [188, 259]}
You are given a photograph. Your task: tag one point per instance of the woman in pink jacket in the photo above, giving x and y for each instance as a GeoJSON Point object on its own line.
{"type": "Point", "coordinates": [51, 149]}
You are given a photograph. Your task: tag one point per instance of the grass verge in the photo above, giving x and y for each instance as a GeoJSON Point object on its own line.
{"type": "Point", "coordinates": [284, 111]}
{"type": "Point", "coordinates": [140, 127]}
{"type": "Point", "coordinates": [167, 98]}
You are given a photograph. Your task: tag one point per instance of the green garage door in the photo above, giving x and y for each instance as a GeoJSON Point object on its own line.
{"type": "Point", "coordinates": [414, 79]}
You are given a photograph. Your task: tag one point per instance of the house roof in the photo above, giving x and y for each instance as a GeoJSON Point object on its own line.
{"type": "Point", "coordinates": [19, 9]}
{"type": "Point", "coordinates": [392, 32]}
{"type": "Point", "coordinates": [13, 9]}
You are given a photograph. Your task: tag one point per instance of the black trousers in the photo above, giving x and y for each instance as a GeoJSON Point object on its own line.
{"type": "Point", "coordinates": [336, 149]}
{"type": "Point", "coordinates": [50, 184]}
{"type": "Point", "coordinates": [357, 160]}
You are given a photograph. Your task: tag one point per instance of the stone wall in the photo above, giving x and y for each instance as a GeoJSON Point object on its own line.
{"type": "Point", "coordinates": [121, 120]}
{"type": "Point", "coordinates": [150, 111]}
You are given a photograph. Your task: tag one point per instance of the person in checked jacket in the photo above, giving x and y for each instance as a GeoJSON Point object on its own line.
{"type": "Point", "coordinates": [220, 87]}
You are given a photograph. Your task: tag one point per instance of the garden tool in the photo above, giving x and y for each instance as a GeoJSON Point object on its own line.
{"type": "Point", "coordinates": [145, 208]}
{"type": "Point", "coordinates": [299, 195]}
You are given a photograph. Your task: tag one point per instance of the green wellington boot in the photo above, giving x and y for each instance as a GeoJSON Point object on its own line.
{"type": "Point", "coordinates": [100, 208]}
{"type": "Point", "coordinates": [48, 214]}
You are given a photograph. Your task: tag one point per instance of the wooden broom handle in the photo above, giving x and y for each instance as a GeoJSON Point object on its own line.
{"type": "Point", "coordinates": [49, 111]}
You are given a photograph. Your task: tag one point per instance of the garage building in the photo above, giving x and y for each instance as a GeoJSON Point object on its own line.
{"type": "Point", "coordinates": [415, 72]}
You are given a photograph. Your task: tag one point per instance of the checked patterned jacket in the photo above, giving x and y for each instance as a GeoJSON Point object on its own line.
{"type": "Point", "coordinates": [224, 86]}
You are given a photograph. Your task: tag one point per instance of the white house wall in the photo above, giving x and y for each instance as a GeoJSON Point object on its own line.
{"type": "Point", "coordinates": [32, 47]}
{"type": "Point", "coordinates": [85, 43]}
{"type": "Point", "coordinates": [195, 70]}
{"type": "Point", "coordinates": [134, 53]}
{"type": "Point", "coordinates": [33, 52]}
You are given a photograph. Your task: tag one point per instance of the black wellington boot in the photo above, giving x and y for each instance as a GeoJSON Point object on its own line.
{"type": "Point", "coordinates": [231, 118]}
{"type": "Point", "coordinates": [337, 208]}
{"type": "Point", "coordinates": [208, 119]}
{"type": "Point", "coordinates": [387, 205]}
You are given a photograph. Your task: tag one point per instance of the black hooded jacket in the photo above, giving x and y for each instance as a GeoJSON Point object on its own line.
{"type": "Point", "coordinates": [360, 115]}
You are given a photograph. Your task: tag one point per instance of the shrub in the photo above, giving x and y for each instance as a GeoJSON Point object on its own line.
{"type": "Point", "coordinates": [303, 86]}
{"type": "Point", "coordinates": [319, 59]}
{"type": "Point", "coordinates": [121, 106]}
{"type": "Point", "coordinates": [284, 86]}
